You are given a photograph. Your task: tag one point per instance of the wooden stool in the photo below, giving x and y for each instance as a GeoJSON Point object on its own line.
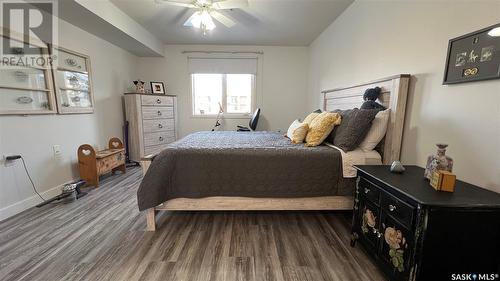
{"type": "Point", "coordinates": [93, 164]}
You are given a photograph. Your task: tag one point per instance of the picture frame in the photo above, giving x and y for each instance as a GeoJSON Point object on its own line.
{"type": "Point", "coordinates": [473, 57]}
{"type": "Point", "coordinates": [73, 82]}
{"type": "Point", "coordinates": [157, 88]}
{"type": "Point", "coordinates": [28, 89]}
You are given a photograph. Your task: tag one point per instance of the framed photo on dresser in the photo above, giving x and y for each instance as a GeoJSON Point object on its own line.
{"type": "Point", "coordinates": [73, 82]}
{"type": "Point", "coordinates": [474, 56]}
{"type": "Point", "coordinates": [157, 88]}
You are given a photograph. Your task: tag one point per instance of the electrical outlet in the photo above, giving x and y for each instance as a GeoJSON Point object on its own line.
{"type": "Point", "coordinates": [8, 163]}
{"type": "Point", "coordinates": [57, 150]}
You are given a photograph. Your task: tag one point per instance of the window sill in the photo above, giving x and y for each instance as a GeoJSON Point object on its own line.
{"type": "Point", "coordinates": [228, 116]}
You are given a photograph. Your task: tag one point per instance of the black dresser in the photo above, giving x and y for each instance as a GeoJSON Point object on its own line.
{"type": "Point", "coordinates": [416, 233]}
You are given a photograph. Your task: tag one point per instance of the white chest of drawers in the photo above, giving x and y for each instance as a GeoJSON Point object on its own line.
{"type": "Point", "coordinates": [152, 123]}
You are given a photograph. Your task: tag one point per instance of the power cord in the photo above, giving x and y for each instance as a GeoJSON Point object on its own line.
{"type": "Point", "coordinates": [29, 177]}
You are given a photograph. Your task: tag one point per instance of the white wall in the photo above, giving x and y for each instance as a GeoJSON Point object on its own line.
{"type": "Point", "coordinates": [281, 91]}
{"type": "Point", "coordinates": [33, 136]}
{"type": "Point", "coordinates": [374, 39]}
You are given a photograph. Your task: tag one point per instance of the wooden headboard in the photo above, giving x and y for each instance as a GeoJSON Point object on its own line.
{"type": "Point", "coordinates": [394, 93]}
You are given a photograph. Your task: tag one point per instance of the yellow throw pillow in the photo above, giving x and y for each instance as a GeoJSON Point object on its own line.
{"type": "Point", "coordinates": [321, 127]}
{"type": "Point", "coordinates": [309, 118]}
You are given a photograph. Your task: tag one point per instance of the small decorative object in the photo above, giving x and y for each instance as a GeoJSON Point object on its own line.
{"type": "Point", "coordinates": [139, 86]}
{"type": "Point", "coordinates": [370, 97]}
{"type": "Point", "coordinates": [438, 162]}
{"type": "Point", "coordinates": [24, 100]}
{"type": "Point", "coordinates": [443, 181]}
{"type": "Point", "coordinates": [397, 167]}
{"type": "Point", "coordinates": [157, 88]}
{"type": "Point", "coordinates": [474, 56]}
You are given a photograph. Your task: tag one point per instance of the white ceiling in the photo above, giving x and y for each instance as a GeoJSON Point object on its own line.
{"type": "Point", "coordinates": [263, 22]}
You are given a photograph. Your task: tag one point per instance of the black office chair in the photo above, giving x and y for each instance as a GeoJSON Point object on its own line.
{"type": "Point", "coordinates": [252, 124]}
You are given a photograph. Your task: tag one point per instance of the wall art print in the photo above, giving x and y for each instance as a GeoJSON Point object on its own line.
{"type": "Point", "coordinates": [474, 56]}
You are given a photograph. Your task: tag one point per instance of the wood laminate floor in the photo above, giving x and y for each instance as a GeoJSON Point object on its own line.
{"type": "Point", "coordinates": [102, 237]}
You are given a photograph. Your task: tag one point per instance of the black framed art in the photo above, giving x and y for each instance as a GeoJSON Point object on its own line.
{"type": "Point", "coordinates": [157, 88]}
{"type": "Point", "coordinates": [474, 56]}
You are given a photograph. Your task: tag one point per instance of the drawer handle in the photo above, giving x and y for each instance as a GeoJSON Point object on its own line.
{"type": "Point", "coordinates": [378, 233]}
{"type": "Point", "coordinates": [367, 190]}
{"type": "Point", "coordinates": [392, 207]}
{"type": "Point", "coordinates": [159, 113]}
{"type": "Point", "coordinates": [160, 126]}
{"type": "Point", "coordinates": [158, 101]}
{"type": "Point", "coordinates": [160, 138]}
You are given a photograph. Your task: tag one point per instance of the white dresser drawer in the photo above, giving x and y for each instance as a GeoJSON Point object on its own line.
{"type": "Point", "coordinates": [157, 112]}
{"type": "Point", "coordinates": [157, 100]}
{"type": "Point", "coordinates": [158, 138]}
{"type": "Point", "coordinates": [157, 125]}
{"type": "Point", "coordinates": [154, 149]}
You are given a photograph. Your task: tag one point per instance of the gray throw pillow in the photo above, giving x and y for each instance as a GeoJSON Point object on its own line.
{"type": "Point", "coordinates": [345, 114]}
{"type": "Point", "coordinates": [351, 132]}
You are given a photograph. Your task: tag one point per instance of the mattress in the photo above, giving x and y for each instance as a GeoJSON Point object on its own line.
{"type": "Point", "coordinates": [245, 164]}
{"type": "Point", "coordinates": [357, 157]}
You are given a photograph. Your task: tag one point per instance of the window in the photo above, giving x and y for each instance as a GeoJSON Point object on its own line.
{"type": "Point", "coordinates": [234, 92]}
{"type": "Point", "coordinates": [229, 82]}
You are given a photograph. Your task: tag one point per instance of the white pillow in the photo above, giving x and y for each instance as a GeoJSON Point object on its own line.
{"type": "Point", "coordinates": [377, 131]}
{"type": "Point", "coordinates": [297, 131]}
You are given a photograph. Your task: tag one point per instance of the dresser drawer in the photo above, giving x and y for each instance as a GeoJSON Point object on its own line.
{"type": "Point", "coordinates": [159, 138]}
{"type": "Point", "coordinates": [370, 191]}
{"type": "Point", "coordinates": [157, 125]}
{"type": "Point", "coordinates": [154, 149]}
{"type": "Point", "coordinates": [156, 100]}
{"type": "Point", "coordinates": [157, 112]}
{"type": "Point", "coordinates": [398, 209]}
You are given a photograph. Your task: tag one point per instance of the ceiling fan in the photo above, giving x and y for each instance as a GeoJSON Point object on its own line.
{"type": "Point", "coordinates": [207, 10]}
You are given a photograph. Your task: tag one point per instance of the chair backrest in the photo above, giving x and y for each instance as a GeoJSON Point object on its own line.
{"type": "Point", "coordinates": [255, 119]}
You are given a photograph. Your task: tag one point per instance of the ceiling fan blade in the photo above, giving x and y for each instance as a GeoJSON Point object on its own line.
{"type": "Point", "coordinates": [188, 22]}
{"type": "Point", "coordinates": [176, 3]}
{"type": "Point", "coordinates": [230, 4]}
{"type": "Point", "coordinates": [222, 19]}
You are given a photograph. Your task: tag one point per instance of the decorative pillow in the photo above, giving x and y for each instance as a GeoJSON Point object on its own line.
{"type": "Point", "coordinates": [321, 127]}
{"type": "Point", "coordinates": [297, 131]}
{"type": "Point", "coordinates": [377, 131]}
{"type": "Point", "coordinates": [309, 118]}
{"type": "Point", "coordinates": [345, 114]}
{"type": "Point", "coordinates": [355, 129]}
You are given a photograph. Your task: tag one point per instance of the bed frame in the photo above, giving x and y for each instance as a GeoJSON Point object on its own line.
{"type": "Point", "coordinates": [394, 94]}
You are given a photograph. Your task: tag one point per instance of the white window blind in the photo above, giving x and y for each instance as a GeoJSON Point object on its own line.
{"type": "Point", "coordinates": [223, 65]}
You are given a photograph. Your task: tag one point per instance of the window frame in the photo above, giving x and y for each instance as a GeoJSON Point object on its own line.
{"type": "Point", "coordinates": [225, 115]}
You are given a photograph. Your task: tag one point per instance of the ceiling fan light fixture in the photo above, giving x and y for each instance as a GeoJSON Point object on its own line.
{"type": "Point", "coordinates": [203, 20]}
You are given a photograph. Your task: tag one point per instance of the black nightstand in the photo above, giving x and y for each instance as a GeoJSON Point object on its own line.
{"type": "Point", "coordinates": [417, 233]}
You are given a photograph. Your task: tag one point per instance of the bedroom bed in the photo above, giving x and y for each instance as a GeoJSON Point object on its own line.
{"type": "Point", "coordinates": [264, 170]}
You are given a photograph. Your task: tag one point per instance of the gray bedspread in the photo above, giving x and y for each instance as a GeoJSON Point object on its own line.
{"type": "Point", "coordinates": [248, 164]}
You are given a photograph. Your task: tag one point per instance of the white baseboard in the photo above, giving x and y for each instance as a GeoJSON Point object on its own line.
{"type": "Point", "coordinates": [27, 203]}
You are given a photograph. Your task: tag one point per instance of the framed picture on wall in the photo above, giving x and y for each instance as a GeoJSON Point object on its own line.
{"type": "Point", "coordinates": [474, 56]}
{"type": "Point", "coordinates": [73, 82]}
{"type": "Point", "coordinates": [157, 88]}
